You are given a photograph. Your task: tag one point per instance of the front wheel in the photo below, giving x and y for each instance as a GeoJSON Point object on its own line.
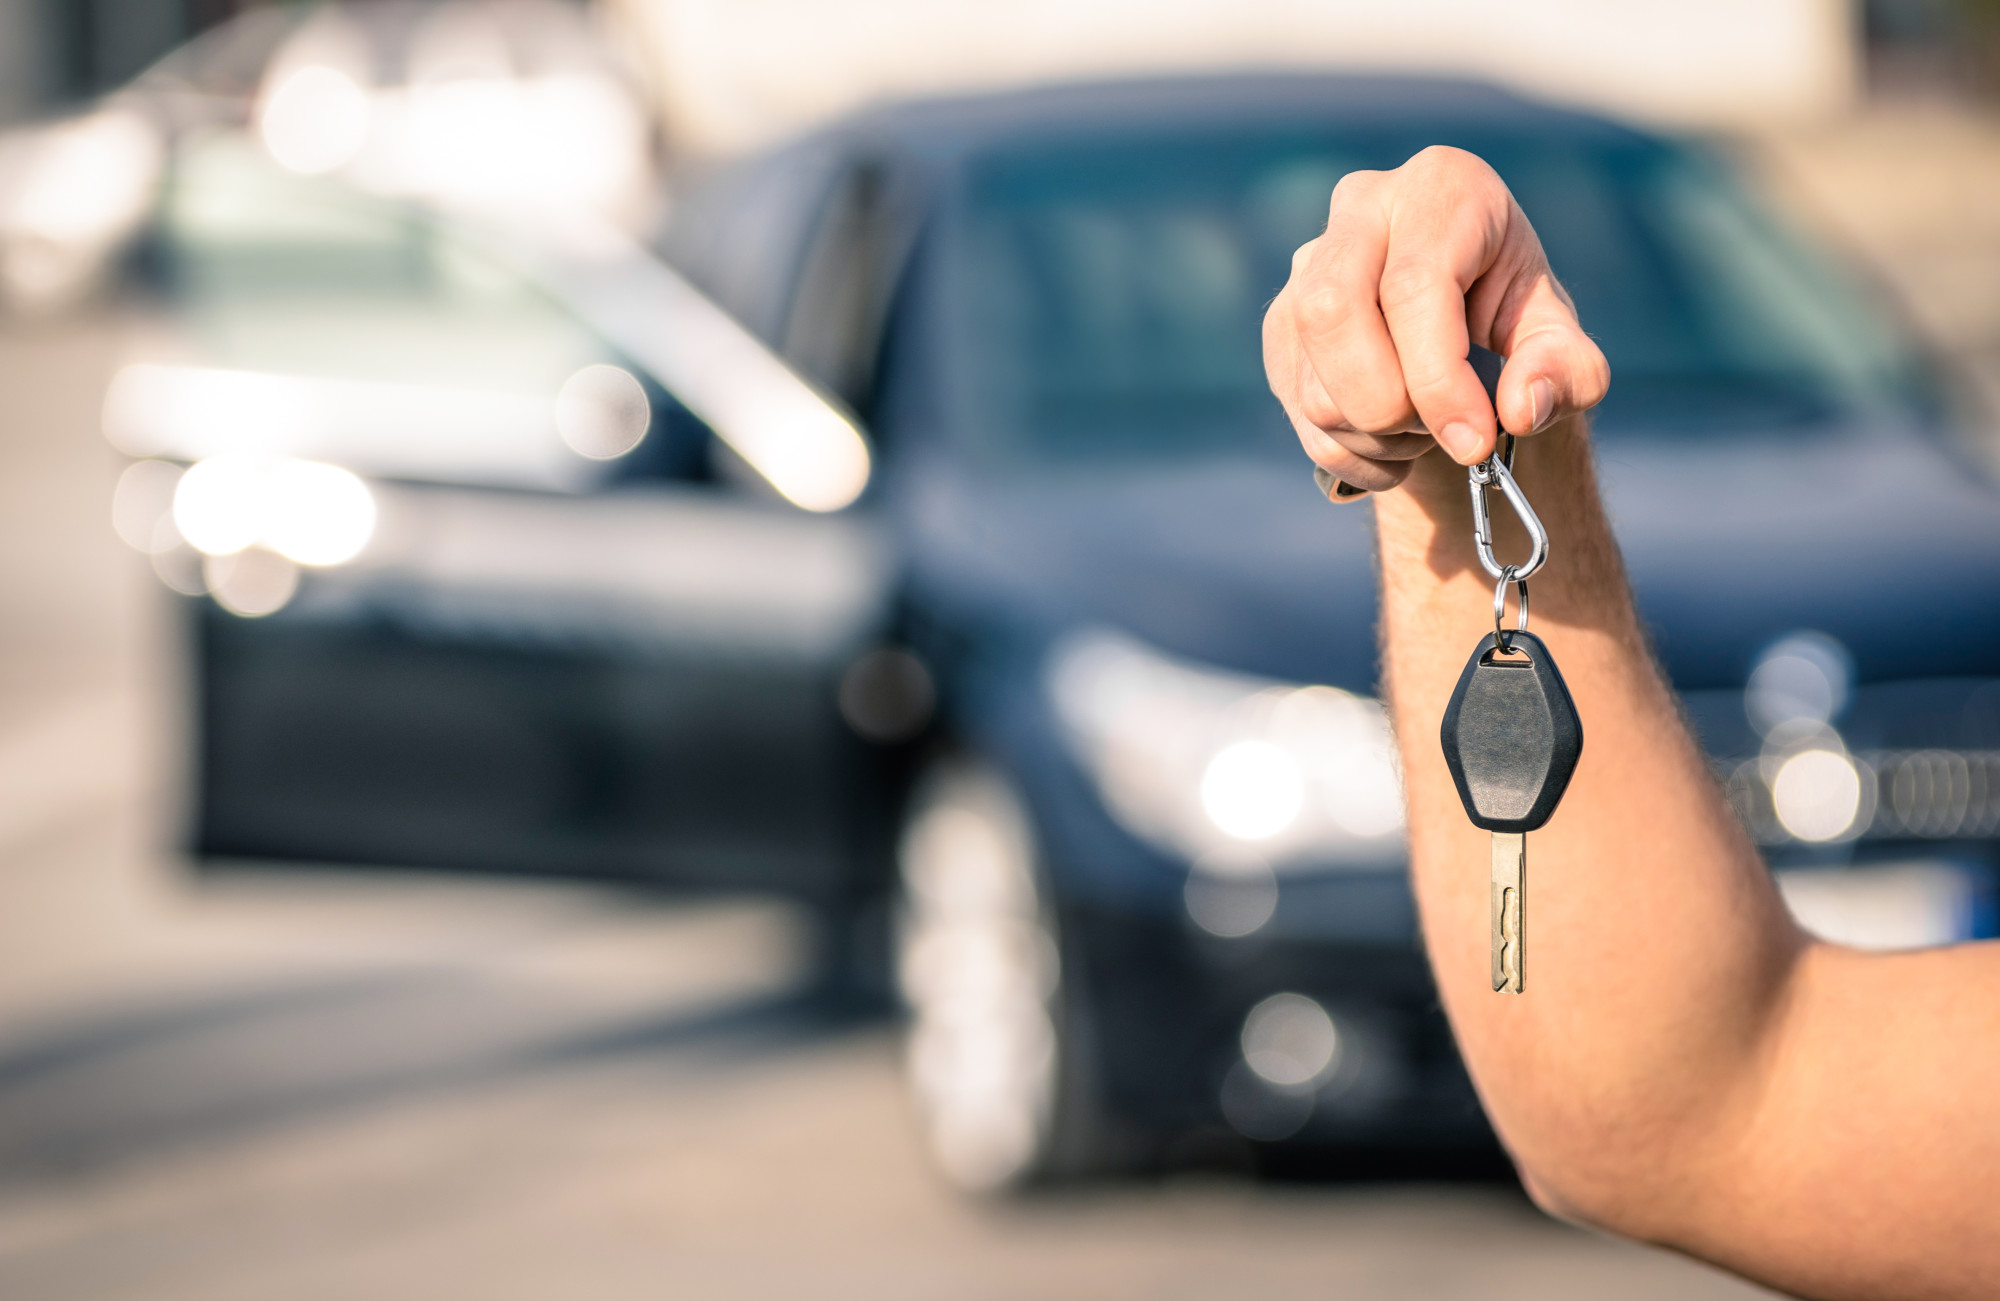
{"type": "Point", "coordinates": [998, 1055]}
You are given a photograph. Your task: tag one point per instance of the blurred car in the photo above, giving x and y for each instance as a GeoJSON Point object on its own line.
{"type": "Point", "coordinates": [1079, 687]}
{"type": "Point", "coordinates": [539, 635]}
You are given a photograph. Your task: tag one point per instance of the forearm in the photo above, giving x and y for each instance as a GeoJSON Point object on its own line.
{"type": "Point", "coordinates": [1659, 950]}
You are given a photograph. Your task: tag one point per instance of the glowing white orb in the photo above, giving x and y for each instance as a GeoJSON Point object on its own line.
{"type": "Point", "coordinates": [315, 120]}
{"type": "Point", "coordinates": [219, 506]}
{"type": "Point", "coordinates": [316, 514]}
{"type": "Point", "coordinates": [1252, 790]}
{"type": "Point", "coordinates": [1817, 794]}
{"type": "Point", "coordinates": [1289, 1040]}
{"type": "Point", "coordinates": [602, 412]}
{"type": "Point", "coordinates": [252, 583]}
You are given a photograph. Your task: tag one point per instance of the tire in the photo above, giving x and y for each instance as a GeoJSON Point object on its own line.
{"type": "Point", "coordinates": [998, 1058]}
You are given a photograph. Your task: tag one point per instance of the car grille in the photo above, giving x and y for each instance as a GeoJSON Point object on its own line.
{"type": "Point", "coordinates": [1904, 795]}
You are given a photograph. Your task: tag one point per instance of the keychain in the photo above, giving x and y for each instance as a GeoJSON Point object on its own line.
{"type": "Point", "coordinates": [1511, 733]}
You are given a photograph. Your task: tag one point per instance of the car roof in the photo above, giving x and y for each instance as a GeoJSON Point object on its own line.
{"type": "Point", "coordinates": [964, 124]}
{"type": "Point", "coordinates": [739, 228]}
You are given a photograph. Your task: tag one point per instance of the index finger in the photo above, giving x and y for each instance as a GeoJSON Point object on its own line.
{"type": "Point", "coordinates": [1423, 305]}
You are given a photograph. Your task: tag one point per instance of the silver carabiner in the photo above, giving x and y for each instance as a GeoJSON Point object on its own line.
{"type": "Point", "coordinates": [1496, 469]}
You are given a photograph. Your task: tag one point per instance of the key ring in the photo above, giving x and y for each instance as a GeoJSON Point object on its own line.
{"type": "Point", "coordinates": [1501, 637]}
{"type": "Point", "coordinates": [1497, 468]}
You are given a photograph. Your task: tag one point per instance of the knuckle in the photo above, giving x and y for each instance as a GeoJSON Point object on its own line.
{"type": "Point", "coordinates": [1465, 174]}
{"type": "Point", "coordinates": [1597, 378]}
{"type": "Point", "coordinates": [1450, 160]}
{"type": "Point", "coordinates": [1324, 451]}
{"type": "Point", "coordinates": [1356, 185]}
{"type": "Point", "coordinates": [1324, 308]}
{"type": "Point", "coordinates": [1408, 278]}
{"type": "Point", "coordinates": [1427, 374]}
{"type": "Point", "coordinates": [1277, 326]}
{"type": "Point", "coordinates": [1380, 412]}
{"type": "Point", "coordinates": [1319, 409]}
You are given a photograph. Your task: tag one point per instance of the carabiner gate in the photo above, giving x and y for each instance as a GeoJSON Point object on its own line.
{"type": "Point", "coordinates": [1496, 469]}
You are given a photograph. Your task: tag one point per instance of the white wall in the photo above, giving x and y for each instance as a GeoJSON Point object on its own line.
{"type": "Point", "coordinates": [735, 72]}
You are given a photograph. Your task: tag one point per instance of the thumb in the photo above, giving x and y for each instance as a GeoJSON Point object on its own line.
{"type": "Point", "coordinates": [1553, 370]}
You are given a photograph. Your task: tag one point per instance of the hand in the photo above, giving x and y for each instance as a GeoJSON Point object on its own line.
{"type": "Point", "coordinates": [1366, 344]}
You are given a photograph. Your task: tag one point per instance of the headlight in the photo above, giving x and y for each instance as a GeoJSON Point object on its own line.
{"type": "Point", "coordinates": [239, 527]}
{"type": "Point", "coordinates": [311, 513]}
{"type": "Point", "coordinates": [1218, 766]}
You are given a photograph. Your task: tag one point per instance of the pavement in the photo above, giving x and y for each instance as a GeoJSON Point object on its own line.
{"type": "Point", "coordinates": [338, 1084]}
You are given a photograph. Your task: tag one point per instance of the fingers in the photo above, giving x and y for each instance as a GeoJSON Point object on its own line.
{"type": "Point", "coordinates": [1553, 368]}
{"type": "Point", "coordinates": [1317, 407]}
{"type": "Point", "coordinates": [1345, 341]}
{"type": "Point", "coordinates": [1448, 231]}
{"type": "Point", "coordinates": [1360, 472]}
{"type": "Point", "coordinates": [1367, 341]}
{"type": "Point", "coordinates": [1424, 306]}
{"type": "Point", "coordinates": [1550, 375]}
{"type": "Point", "coordinates": [1358, 462]}
{"type": "Point", "coordinates": [1300, 392]}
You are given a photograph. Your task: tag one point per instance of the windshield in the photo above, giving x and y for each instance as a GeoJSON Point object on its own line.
{"type": "Point", "coordinates": [1112, 290]}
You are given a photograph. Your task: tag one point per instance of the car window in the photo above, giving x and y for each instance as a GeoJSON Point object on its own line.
{"type": "Point", "coordinates": [1107, 294]}
{"type": "Point", "coordinates": [309, 281]}
{"type": "Point", "coordinates": [834, 327]}
{"type": "Point", "coordinates": [740, 231]}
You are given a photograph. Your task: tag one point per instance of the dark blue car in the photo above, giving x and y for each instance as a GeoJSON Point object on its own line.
{"type": "Point", "coordinates": [1074, 707]}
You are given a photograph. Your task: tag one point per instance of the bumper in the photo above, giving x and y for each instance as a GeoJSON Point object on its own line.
{"type": "Point", "coordinates": [1166, 1007]}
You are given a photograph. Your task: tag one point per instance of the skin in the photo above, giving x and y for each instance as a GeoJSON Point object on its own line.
{"type": "Point", "coordinates": [1686, 1066]}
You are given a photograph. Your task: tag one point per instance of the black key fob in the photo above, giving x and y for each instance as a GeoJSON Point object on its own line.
{"type": "Point", "coordinates": [1511, 735]}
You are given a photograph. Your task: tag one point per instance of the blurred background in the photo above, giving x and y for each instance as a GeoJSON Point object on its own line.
{"type": "Point", "coordinates": [670, 645]}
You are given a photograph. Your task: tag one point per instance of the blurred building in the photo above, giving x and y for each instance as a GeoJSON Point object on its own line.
{"type": "Point", "coordinates": [54, 52]}
{"type": "Point", "coordinates": [736, 72]}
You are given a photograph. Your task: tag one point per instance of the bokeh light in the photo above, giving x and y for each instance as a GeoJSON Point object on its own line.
{"type": "Point", "coordinates": [1252, 790]}
{"type": "Point", "coordinates": [1317, 786]}
{"type": "Point", "coordinates": [142, 502]}
{"type": "Point", "coordinates": [887, 695]}
{"type": "Point", "coordinates": [1230, 896]}
{"type": "Point", "coordinates": [602, 412]}
{"type": "Point", "coordinates": [1289, 1040]}
{"type": "Point", "coordinates": [316, 514]}
{"type": "Point", "coordinates": [1804, 677]}
{"type": "Point", "coordinates": [314, 120]}
{"type": "Point", "coordinates": [252, 582]}
{"type": "Point", "coordinates": [1817, 794]}
{"type": "Point", "coordinates": [311, 513]}
{"type": "Point", "coordinates": [219, 506]}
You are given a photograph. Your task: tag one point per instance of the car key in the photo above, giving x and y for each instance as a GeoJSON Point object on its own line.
{"type": "Point", "coordinates": [1511, 739]}
{"type": "Point", "coordinates": [1511, 733]}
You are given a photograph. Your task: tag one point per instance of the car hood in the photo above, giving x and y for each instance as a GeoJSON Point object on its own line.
{"type": "Point", "coordinates": [1878, 538]}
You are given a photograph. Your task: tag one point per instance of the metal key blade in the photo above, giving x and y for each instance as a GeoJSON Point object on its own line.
{"type": "Point", "coordinates": [1510, 880]}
